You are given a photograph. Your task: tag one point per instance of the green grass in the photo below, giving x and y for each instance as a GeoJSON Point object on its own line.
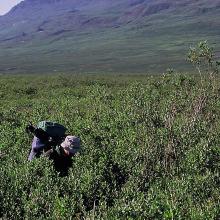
{"type": "Point", "coordinates": [150, 147]}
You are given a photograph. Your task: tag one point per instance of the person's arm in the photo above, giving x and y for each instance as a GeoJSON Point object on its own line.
{"type": "Point", "coordinates": [49, 153]}
{"type": "Point", "coordinates": [38, 132]}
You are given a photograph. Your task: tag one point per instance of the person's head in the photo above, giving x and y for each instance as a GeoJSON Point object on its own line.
{"type": "Point", "coordinates": [71, 145]}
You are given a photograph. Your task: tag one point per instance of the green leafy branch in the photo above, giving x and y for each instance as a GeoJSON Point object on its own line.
{"type": "Point", "coordinates": [202, 57]}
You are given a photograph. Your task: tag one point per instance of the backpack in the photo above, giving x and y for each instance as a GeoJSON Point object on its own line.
{"type": "Point", "coordinates": [53, 129]}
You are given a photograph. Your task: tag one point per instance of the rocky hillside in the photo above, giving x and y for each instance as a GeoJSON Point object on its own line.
{"type": "Point", "coordinates": [104, 35]}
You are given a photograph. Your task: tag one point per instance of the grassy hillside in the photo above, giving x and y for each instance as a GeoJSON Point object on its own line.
{"type": "Point", "coordinates": [150, 147]}
{"type": "Point", "coordinates": [139, 38]}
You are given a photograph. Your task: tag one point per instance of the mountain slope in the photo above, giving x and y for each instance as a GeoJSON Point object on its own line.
{"type": "Point", "coordinates": [104, 35]}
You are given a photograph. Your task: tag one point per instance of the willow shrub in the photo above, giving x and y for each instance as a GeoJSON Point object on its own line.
{"type": "Point", "coordinates": [150, 148]}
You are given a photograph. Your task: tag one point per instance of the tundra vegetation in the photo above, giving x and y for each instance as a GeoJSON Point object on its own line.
{"type": "Point", "coordinates": [151, 145]}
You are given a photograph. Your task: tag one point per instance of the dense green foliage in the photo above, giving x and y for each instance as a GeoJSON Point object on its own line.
{"type": "Point", "coordinates": [150, 148]}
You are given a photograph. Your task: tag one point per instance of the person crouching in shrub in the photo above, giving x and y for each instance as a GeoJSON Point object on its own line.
{"type": "Point", "coordinates": [63, 153]}
{"type": "Point", "coordinates": [60, 150]}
